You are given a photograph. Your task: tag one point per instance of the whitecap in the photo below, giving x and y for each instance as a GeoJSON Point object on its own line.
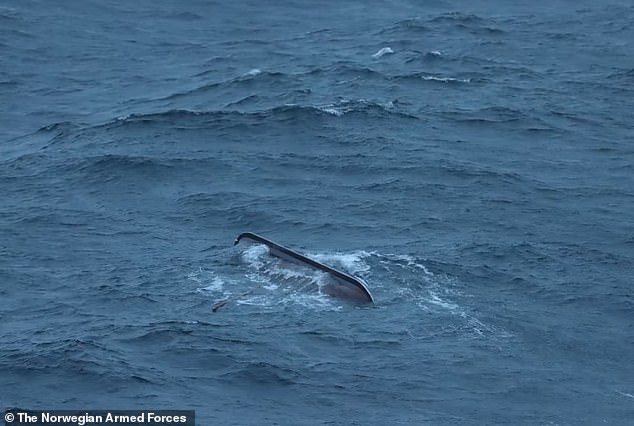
{"type": "Point", "coordinates": [445, 79]}
{"type": "Point", "coordinates": [253, 72]}
{"type": "Point", "coordinates": [383, 51]}
{"type": "Point", "coordinates": [330, 109]}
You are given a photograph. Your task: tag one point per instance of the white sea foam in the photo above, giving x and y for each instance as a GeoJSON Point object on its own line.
{"type": "Point", "coordinates": [445, 79]}
{"type": "Point", "coordinates": [257, 300]}
{"type": "Point", "coordinates": [285, 283]}
{"type": "Point", "coordinates": [289, 296]}
{"type": "Point", "coordinates": [217, 285]}
{"type": "Point", "coordinates": [625, 394]}
{"type": "Point", "coordinates": [412, 262]}
{"type": "Point", "coordinates": [330, 109]}
{"type": "Point", "coordinates": [252, 72]}
{"type": "Point", "coordinates": [207, 280]}
{"type": "Point", "coordinates": [195, 276]}
{"type": "Point", "coordinates": [433, 293]}
{"type": "Point", "coordinates": [345, 105]}
{"type": "Point", "coordinates": [313, 301]}
{"type": "Point", "coordinates": [352, 262]}
{"type": "Point", "coordinates": [436, 300]}
{"type": "Point", "coordinates": [253, 255]}
{"type": "Point", "coordinates": [383, 51]}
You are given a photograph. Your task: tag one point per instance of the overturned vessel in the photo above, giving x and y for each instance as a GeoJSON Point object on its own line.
{"type": "Point", "coordinates": [339, 283]}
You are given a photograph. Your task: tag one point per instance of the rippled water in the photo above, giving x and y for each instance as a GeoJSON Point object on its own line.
{"type": "Point", "coordinates": [472, 162]}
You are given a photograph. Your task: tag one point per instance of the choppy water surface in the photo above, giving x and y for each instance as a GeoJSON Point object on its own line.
{"type": "Point", "coordinates": [472, 161]}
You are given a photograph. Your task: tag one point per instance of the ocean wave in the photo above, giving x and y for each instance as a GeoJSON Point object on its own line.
{"type": "Point", "coordinates": [345, 69]}
{"type": "Point", "coordinates": [340, 70]}
{"type": "Point", "coordinates": [382, 52]}
{"type": "Point", "coordinates": [623, 74]}
{"type": "Point", "coordinates": [247, 79]}
{"type": "Point", "coordinates": [183, 118]}
{"type": "Point", "coordinates": [33, 144]}
{"type": "Point", "coordinates": [241, 209]}
{"type": "Point", "coordinates": [137, 170]}
{"type": "Point", "coordinates": [494, 114]}
{"type": "Point", "coordinates": [487, 176]}
{"type": "Point", "coordinates": [59, 127]}
{"type": "Point", "coordinates": [497, 115]}
{"type": "Point", "coordinates": [74, 356]}
{"type": "Point", "coordinates": [432, 78]}
{"type": "Point", "coordinates": [468, 22]}
{"type": "Point", "coordinates": [410, 25]}
{"type": "Point", "coordinates": [10, 14]}
{"type": "Point", "coordinates": [156, 333]}
{"type": "Point", "coordinates": [261, 373]}
{"type": "Point", "coordinates": [424, 284]}
{"type": "Point", "coordinates": [140, 164]}
{"type": "Point", "coordinates": [459, 17]}
{"type": "Point", "coordinates": [363, 107]}
{"type": "Point", "coordinates": [494, 69]}
{"type": "Point", "coordinates": [199, 198]}
{"type": "Point", "coordinates": [251, 73]}
{"type": "Point", "coordinates": [338, 109]}
{"type": "Point", "coordinates": [445, 79]}
{"type": "Point", "coordinates": [185, 16]}
{"type": "Point", "coordinates": [431, 56]}
{"type": "Point", "coordinates": [9, 84]}
{"type": "Point", "coordinates": [243, 101]}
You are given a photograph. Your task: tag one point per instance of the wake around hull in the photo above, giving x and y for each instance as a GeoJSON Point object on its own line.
{"type": "Point", "coordinates": [341, 285]}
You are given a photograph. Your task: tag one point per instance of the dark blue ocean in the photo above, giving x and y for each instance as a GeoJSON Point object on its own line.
{"type": "Point", "coordinates": [472, 161]}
